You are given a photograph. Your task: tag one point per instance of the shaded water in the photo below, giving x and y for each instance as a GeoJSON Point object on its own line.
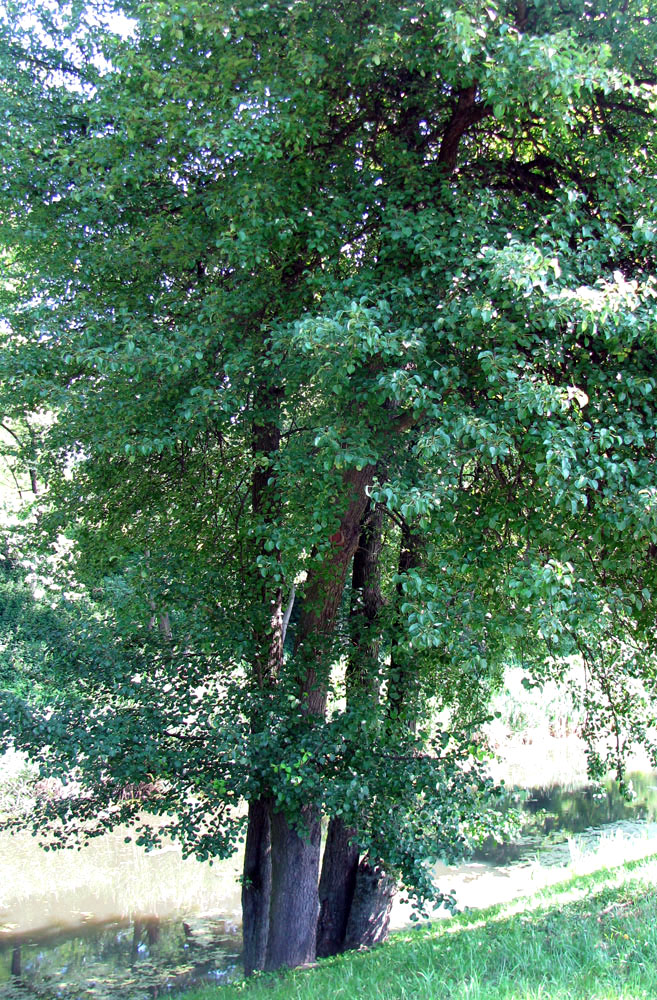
{"type": "Point", "coordinates": [111, 921]}
{"type": "Point", "coordinates": [144, 958]}
{"type": "Point", "coordinates": [555, 814]}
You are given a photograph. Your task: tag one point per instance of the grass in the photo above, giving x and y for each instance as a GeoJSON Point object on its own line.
{"type": "Point", "coordinates": [593, 937]}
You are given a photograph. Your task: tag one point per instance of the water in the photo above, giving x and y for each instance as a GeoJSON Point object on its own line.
{"type": "Point", "coordinates": [143, 958]}
{"type": "Point", "coordinates": [111, 921]}
{"type": "Point", "coordinates": [567, 831]}
{"type": "Point", "coordinates": [555, 814]}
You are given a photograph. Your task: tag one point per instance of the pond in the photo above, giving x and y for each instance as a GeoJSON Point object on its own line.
{"type": "Point", "coordinates": [111, 921]}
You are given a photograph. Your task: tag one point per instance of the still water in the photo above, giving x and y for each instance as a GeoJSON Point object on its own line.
{"type": "Point", "coordinates": [111, 921]}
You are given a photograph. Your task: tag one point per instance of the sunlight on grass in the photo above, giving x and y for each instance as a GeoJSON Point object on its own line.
{"type": "Point", "coordinates": [591, 938]}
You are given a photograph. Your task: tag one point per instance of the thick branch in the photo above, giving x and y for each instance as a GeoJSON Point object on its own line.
{"type": "Point", "coordinates": [466, 114]}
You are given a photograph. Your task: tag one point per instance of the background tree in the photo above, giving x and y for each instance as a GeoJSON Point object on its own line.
{"type": "Point", "coordinates": [279, 270]}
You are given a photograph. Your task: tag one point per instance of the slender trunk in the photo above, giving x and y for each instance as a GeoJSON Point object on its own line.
{"type": "Point", "coordinates": [268, 642]}
{"type": "Point", "coordinates": [369, 916]}
{"type": "Point", "coordinates": [323, 594]}
{"type": "Point", "coordinates": [402, 694]}
{"type": "Point", "coordinates": [341, 852]}
{"type": "Point", "coordinates": [256, 886]}
{"type": "Point", "coordinates": [362, 678]}
{"type": "Point", "coordinates": [34, 481]}
{"type": "Point", "coordinates": [294, 905]}
{"type": "Point", "coordinates": [137, 931]}
{"type": "Point", "coordinates": [336, 887]}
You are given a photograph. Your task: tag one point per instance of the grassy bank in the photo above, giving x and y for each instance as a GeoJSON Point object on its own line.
{"type": "Point", "coordinates": [593, 937]}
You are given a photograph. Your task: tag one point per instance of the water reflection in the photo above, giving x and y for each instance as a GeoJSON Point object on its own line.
{"type": "Point", "coordinates": [555, 814]}
{"type": "Point", "coordinates": [108, 881]}
{"type": "Point", "coordinates": [112, 922]}
{"type": "Point", "coordinates": [142, 959]}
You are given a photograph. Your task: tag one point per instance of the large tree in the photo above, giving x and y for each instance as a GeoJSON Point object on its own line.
{"type": "Point", "coordinates": [343, 319]}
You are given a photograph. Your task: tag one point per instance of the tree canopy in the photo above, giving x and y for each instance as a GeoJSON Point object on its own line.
{"type": "Point", "coordinates": [338, 320]}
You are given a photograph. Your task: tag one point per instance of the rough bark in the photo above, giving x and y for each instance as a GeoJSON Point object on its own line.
{"type": "Point", "coordinates": [295, 852]}
{"type": "Point", "coordinates": [294, 902]}
{"type": "Point", "coordinates": [369, 916]}
{"type": "Point", "coordinates": [341, 852]}
{"type": "Point", "coordinates": [401, 680]}
{"type": "Point", "coordinates": [256, 886]}
{"type": "Point", "coordinates": [268, 641]}
{"type": "Point", "coordinates": [336, 887]}
{"type": "Point", "coordinates": [294, 905]}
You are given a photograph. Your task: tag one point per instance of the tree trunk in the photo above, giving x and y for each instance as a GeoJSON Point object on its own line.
{"type": "Point", "coordinates": [336, 887]}
{"type": "Point", "coordinates": [268, 659]}
{"type": "Point", "coordinates": [294, 904]}
{"type": "Point", "coordinates": [341, 853]}
{"type": "Point", "coordinates": [373, 893]}
{"type": "Point", "coordinates": [369, 916]}
{"type": "Point", "coordinates": [295, 852]}
{"type": "Point", "coordinates": [402, 693]}
{"type": "Point", "coordinates": [362, 679]}
{"type": "Point", "coordinates": [256, 886]}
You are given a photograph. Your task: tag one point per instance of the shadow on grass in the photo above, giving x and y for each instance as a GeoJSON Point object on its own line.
{"type": "Point", "coordinates": [589, 939]}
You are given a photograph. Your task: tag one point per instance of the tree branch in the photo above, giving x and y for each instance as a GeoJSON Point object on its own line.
{"type": "Point", "coordinates": [466, 114]}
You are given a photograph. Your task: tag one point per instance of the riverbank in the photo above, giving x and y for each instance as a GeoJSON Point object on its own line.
{"type": "Point", "coordinates": [112, 921]}
{"type": "Point", "coordinates": [592, 937]}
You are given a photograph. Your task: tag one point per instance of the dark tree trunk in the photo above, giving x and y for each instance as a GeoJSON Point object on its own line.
{"type": "Point", "coordinates": [341, 853]}
{"type": "Point", "coordinates": [294, 905]}
{"type": "Point", "coordinates": [323, 594]}
{"type": "Point", "coordinates": [153, 930]}
{"type": "Point", "coordinates": [137, 931]}
{"type": "Point", "coordinates": [369, 916]}
{"type": "Point", "coordinates": [402, 693]}
{"type": "Point", "coordinates": [268, 642]}
{"type": "Point", "coordinates": [295, 852]}
{"type": "Point", "coordinates": [256, 886]}
{"type": "Point", "coordinates": [366, 602]}
{"type": "Point", "coordinates": [336, 887]}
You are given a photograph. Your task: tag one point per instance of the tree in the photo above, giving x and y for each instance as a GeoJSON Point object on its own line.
{"type": "Point", "coordinates": [344, 310]}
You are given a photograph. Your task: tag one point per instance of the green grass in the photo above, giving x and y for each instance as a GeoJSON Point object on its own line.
{"type": "Point", "coordinates": [591, 938]}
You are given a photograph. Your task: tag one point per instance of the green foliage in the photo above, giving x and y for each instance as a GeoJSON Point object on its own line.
{"type": "Point", "coordinates": [265, 260]}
